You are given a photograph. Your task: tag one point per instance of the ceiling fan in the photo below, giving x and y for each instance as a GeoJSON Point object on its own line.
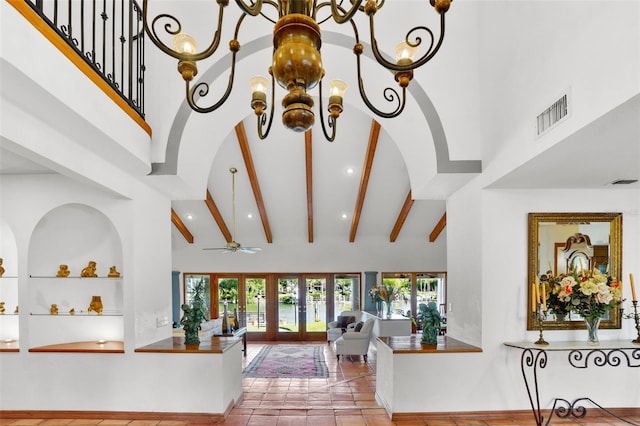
{"type": "Point", "coordinates": [233, 246]}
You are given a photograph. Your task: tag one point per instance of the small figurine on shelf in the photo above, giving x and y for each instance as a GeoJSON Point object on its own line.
{"type": "Point", "coordinates": [53, 309]}
{"type": "Point", "coordinates": [1, 308]}
{"type": "Point", "coordinates": [95, 305]}
{"type": "Point", "coordinates": [63, 271]}
{"type": "Point", "coordinates": [89, 271]}
{"type": "Point", "coordinates": [113, 272]}
{"type": "Point", "coordinates": [16, 310]}
{"type": "Point", "coordinates": [72, 311]}
{"type": "Point", "coordinates": [1, 268]}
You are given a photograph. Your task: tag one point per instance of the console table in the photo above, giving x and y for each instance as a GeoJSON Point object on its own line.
{"type": "Point", "coordinates": [613, 353]}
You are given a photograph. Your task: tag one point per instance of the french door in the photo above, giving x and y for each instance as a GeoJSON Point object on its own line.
{"type": "Point", "coordinates": [302, 306]}
{"type": "Point", "coordinates": [277, 306]}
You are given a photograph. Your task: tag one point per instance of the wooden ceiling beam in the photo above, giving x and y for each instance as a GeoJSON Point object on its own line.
{"type": "Point", "coordinates": [253, 178]}
{"type": "Point", "coordinates": [402, 216]}
{"type": "Point", "coordinates": [308, 138]}
{"type": "Point", "coordinates": [175, 219]}
{"type": "Point", "coordinates": [438, 228]}
{"type": "Point", "coordinates": [218, 217]}
{"type": "Point", "coordinates": [364, 178]}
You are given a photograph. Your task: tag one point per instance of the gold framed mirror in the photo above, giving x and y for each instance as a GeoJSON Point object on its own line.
{"type": "Point", "coordinates": [562, 241]}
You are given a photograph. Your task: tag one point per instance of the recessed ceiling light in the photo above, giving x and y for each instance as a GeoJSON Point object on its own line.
{"type": "Point", "coordinates": [350, 170]}
{"type": "Point", "coordinates": [344, 215]}
{"type": "Point", "coordinates": [250, 216]}
{"type": "Point", "coordinates": [190, 216]}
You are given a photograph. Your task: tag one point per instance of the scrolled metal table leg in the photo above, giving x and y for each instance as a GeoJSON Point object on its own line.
{"type": "Point", "coordinates": [578, 410]}
{"type": "Point", "coordinates": [539, 360]}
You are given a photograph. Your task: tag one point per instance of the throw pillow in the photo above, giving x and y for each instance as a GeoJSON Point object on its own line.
{"type": "Point", "coordinates": [359, 326]}
{"type": "Point", "coordinates": [343, 321]}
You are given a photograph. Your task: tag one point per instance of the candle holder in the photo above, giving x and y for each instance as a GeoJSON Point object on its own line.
{"type": "Point", "coordinates": [636, 317]}
{"type": "Point", "coordinates": [539, 315]}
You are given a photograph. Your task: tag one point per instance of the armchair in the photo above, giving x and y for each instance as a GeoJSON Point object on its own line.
{"type": "Point", "coordinates": [335, 328]}
{"type": "Point", "coordinates": [355, 342]}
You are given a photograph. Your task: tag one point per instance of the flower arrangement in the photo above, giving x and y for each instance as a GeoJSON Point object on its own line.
{"type": "Point", "coordinates": [589, 293]}
{"type": "Point", "coordinates": [383, 293]}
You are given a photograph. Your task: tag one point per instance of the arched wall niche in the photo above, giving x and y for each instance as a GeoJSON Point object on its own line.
{"type": "Point", "coordinates": [74, 234]}
{"type": "Point", "coordinates": [8, 285]}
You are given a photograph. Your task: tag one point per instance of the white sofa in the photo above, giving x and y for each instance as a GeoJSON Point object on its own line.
{"type": "Point", "coordinates": [356, 342]}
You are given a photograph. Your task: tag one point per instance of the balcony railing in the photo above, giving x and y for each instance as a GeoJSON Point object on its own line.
{"type": "Point", "coordinates": [108, 35]}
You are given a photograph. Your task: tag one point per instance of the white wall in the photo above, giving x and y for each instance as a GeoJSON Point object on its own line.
{"type": "Point", "coordinates": [487, 276]}
{"type": "Point", "coordinates": [98, 381]}
{"type": "Point", "coordinates": [81, 117]}
{"type": "Point", "coordinates": [535, 51]}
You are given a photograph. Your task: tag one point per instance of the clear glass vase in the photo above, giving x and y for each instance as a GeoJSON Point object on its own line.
{"type": "Point", "coordinates": [592, 329]}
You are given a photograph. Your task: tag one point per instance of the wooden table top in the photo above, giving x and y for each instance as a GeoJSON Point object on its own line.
{"type": "Point", "coordinates": [411, 345]}
{"type": "Point", "coordinates": [214, 345]}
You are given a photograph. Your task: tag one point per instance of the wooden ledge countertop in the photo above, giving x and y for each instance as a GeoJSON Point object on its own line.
{"type": "Point", "coordinates": [214, 345]}
{"type": "Point", "coordinates": [9, 346]}
{"type": "Point", "coordinates": [411, 345]}
{"type": "Point", "coordinates": [94, 346]}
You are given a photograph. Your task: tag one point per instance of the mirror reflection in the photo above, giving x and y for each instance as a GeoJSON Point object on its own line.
{"type": "Point", "coordinates": [564, 242]}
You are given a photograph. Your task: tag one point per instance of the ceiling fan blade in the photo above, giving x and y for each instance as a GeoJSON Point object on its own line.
{"type": "Point", "coordinates": [250, 250]}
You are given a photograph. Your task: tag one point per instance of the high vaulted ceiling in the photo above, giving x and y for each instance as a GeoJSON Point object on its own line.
{"type": "Point", "coordinates": [432, 149]}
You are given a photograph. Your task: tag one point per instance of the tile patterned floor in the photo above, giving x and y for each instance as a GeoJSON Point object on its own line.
{"type": "Point", "coordinates": [345, 398]}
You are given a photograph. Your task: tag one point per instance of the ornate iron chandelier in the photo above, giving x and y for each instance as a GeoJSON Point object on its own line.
{"type": "Point", "coordinates": [297, 63]}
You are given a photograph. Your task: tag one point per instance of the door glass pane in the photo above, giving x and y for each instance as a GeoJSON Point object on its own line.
{"type": "Point", "coordinates": [191, 281]}
{"type": "Point", "coordinates": [228, 299]}
{"type": "Point", "coordinates": [402, 301]}
{"type": "Point", "coordinates": [431, 287]}
{"type": "Point", "coordinates": [256, 304]}
{"type": "Point", "coordinates": [288, 305]}
{"type": "Point", "coordinates": [343, 292]}
{"type": "Point", "coordinates": [316, 300]}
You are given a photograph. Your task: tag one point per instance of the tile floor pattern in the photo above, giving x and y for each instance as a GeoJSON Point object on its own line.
{"type": "Point", "coordinates": [345, 398]}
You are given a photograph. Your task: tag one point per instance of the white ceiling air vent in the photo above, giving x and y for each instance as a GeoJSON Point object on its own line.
{"type": "Point", "coordinates": [552, 115]}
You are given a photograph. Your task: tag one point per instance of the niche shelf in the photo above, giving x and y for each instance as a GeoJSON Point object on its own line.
{"type": "Point", "coordinates": [74, 235]}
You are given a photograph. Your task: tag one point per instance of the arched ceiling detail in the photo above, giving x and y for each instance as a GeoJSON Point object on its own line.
{"type": "Point", "coordinates": [440, 144]}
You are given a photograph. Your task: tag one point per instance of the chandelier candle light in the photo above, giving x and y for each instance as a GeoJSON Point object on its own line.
{"type": "Point", "coordinates": [297, 62]}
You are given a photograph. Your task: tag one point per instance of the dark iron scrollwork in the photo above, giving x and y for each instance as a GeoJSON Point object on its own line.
{"type": "Point", "coordinates": [602, 357]}
{"type": "Point", "coordinates": [564, 409]}
{"type": "Point", "coordinates": [539, 360]}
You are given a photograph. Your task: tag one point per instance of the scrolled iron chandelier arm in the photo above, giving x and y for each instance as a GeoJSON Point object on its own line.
{"type": "Point", "coordinates": [339, 14]}
{"type": "Point", "coordinates": [202, 90]}
{"type": "Point", "coordinates": [331, 121]}
{"type": "Point", "coordinates": [430, 53]}
{"type": "Point", "coordinates": [262, 118]}
{"type": "Point", "coordinates": [173, 27]}
{"type": "Point", "coordinates": [390, 94]}
{"type": "Point", "coordinates": [254, 9]}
